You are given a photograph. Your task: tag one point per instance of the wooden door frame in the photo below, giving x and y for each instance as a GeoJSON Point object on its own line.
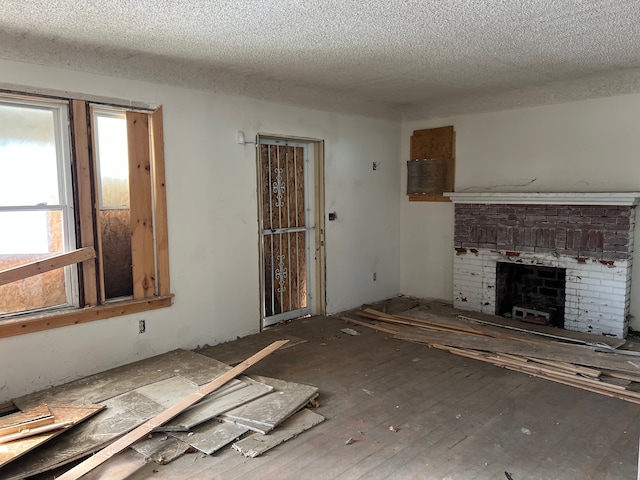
{"type": "Point", "coordinates": [316, 148]}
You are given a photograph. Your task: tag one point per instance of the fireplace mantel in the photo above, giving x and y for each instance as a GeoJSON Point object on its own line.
{"type": "Point", "coordinates": [547, 198]}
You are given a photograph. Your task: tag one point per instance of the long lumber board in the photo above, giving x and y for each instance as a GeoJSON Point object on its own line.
{"type": "Point", "coordinates": [163, 417]}
{"type": "Point", "coordinates": [564, 353]}
{"type": "Point", "coordinates": [521, 365]}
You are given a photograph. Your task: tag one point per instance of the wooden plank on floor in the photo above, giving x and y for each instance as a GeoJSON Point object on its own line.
{"type": "Point", "coordinates": [257, 444]}
{"type": "Point", "coordinates": [565, 353]}
{"type": "Point", "coordinates": [75, 414]}
{"type": "Point", "coordinates": [217, 403]}
{"type": "Point", "coordinates": [275, 407]}
{"type": "Point", "coordinates": [119, 467]}
{"type": "Point", "coordinates": [122, 413]}
{"type": "Point", "coordinates": [211, 436]}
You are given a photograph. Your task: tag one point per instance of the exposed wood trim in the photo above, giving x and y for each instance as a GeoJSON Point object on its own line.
{"type": "Point", "coordinates": [64, 318]}
{"type": "Point", "coordinates": [142, 248]}
{"type": "Point", "coordinates": [95, 203]}
{"type": "Point", "coordinates": [85, 204]}
{"type": "Point", "coordinates": [163, 417]}
{"type": "Point", "coordinates": [428, 197]}
{"type": "Point", "coordinates": [321, 300]}
{"type": "Point", "coordinates": [46, 265]}
{"type": "Point", "coordinates": [160, 202]}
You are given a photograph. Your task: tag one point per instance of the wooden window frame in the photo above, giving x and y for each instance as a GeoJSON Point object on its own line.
{"type": "Point", "coordinates": [150, 249]}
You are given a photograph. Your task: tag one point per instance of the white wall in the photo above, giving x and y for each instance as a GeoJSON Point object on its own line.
{"type": "Point", "coordinates": [213, 231]}
{"type": "Point", "coordinates": [591, 146]}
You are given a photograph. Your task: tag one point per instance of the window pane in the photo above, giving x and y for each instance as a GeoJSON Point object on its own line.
{"type": "Point", "coordinates": [28, 158]}
{"type": "Point", "coordinates": [42, 236]}
{"type": "Point", "coordinates": [115, 218]}
{"type": "Point", "coordinates": [113, 160]}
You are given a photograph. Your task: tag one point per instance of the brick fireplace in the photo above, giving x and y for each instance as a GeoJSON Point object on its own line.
{"type": "Point", "coordinates": [587, 236]}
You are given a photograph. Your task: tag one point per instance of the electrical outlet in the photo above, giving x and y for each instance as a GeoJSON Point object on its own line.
{"type": "Point", "coordinates": [374, 276]}
{"type": "Point", "coordinates": [142, 326]}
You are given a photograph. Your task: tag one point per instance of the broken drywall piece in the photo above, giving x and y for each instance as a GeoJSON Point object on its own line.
{"type": "Point", "coordinates": [272, 409]}
{"type": "Point", "coordinates": [160, 448]}
{"type": "Point", "coordinates": [257, 444]}
{"type": "Point", "coordinates": [236, 395]}
{"type": "Point", "coordinates": [211, 436]}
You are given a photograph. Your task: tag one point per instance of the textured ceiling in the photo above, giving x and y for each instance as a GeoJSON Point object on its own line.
{"type": "Point", "coordinates": [389, 58]}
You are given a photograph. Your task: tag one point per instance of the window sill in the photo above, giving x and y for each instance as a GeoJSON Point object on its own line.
{"type": "Point", "coordinates": [64, 318]}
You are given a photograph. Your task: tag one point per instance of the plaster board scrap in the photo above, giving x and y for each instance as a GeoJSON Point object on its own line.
{"type": "Point", "coordinates": [257, 444]}
{"type": "Point", "coordinates": [169, 391]}
{"type": "Point", "coordinates": [217, 403]}
{"type": "Point", "coordinates": [275, 407]}
{"type": "Point", "coordinates": [105, 385]}
{"type": "Point", "coordinates": [160, 448]}
{"type": "Point", "coordinates": [122, 413]}
{"type": "Point", "coordinates": [211, 436]}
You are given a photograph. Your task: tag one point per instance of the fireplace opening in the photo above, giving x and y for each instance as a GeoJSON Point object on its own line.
{"type": "Point", "coordinates": [530, 293]}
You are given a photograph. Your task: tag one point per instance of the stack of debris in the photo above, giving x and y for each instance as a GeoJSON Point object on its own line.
{"type": "Point", "coordinates": [253, 413]}
{"type": "Point", "coordinates": [593, 366]}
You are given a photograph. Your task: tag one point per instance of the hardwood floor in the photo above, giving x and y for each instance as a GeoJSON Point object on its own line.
{"type": "Point", "coordinates": [455, 418]}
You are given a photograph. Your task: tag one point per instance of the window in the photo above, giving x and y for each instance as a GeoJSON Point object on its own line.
{"type": "Point", "coordinates": [36, 203]}
{"type": "Point", "coordinates": [82, 199]}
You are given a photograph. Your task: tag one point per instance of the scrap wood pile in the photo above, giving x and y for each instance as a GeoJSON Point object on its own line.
{"type": "Point", "coordinates": [156, 409]}
{"type": "Point", "coordinates": [594, 367]}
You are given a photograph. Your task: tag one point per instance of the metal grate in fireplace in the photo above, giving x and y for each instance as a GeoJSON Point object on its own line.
{"type": "Point", "coordinates": [530, 292]}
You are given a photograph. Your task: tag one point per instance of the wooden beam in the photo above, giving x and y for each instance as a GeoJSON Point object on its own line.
{"type": "Point", "coordinates": [85, 199]}
{"type": "Point", "coordinates": [64, 318]}
{"type": "Point", "coordinates": [142, 248]}
{"type": "Point", "coordinates": [163, 417]}
{"type": "Point", "coordinates": [95, 203]}
{"type": "Point", "coordinates": [46, 265]}
{"type": "Point", "coordinates": [160, 202]}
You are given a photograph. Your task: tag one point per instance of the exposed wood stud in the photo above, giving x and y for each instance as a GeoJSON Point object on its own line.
{"type": "Point", "coordinates": [142, 248]}
{"type": "Point", "coordinates": [85, 197]}
{"type": "Point", "coordinates": [160, 202]}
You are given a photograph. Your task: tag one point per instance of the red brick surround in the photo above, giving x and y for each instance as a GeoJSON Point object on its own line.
{"type": "Point", "coordinates": [597, 232]}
